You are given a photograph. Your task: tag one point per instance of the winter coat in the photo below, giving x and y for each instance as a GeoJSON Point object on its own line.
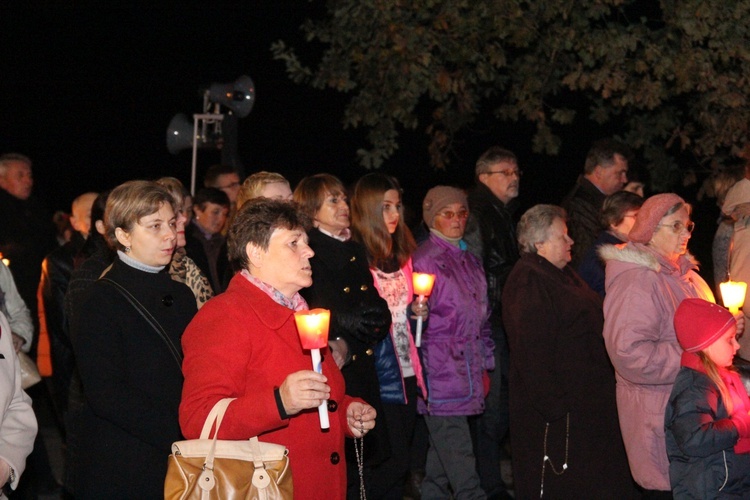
{"type": "Point", "coordinates": [18, 424]}
{"type": "Point", "coordinates": [583, 204]}
{"type": "Point", "coordinates": [491, 235]}
{"type": "Point", "coordinates": [195, 247]}
{"type": "Point", "coordinates": [342, 283]}
{"type": "Point", "coordinates": [14, 308]}
{"type": "Point", "coordinates": [457, 347]}
{"type": "Point", "coordinates": [701, 438]}
{"type": "Point", "coordinates": [131, 383]}
{"type": "Point", "coordinates": [562, 387]}
{"type": "Point", "coordinates": [643, 292]}
{"type": "Point", "coordinates": [255, 342]}
{"type": "Point", "coordinates": [391, 380]}
{"type": "Point", "coordinates": [57, 268]}
{"type": "Point", "coordinates": [591, 268]}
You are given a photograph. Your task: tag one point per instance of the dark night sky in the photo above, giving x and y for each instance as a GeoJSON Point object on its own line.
{"type": "Point", "coordinates": [88, 93]}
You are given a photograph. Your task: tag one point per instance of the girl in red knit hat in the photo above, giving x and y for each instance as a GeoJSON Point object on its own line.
{"type": "Point", "coordinates": [707, 423]}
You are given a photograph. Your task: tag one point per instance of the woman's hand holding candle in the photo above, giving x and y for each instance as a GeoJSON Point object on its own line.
{"type": "Point", "coordinates": [312, 327]}
{"type": "Point", "coordinates": [302, 390]}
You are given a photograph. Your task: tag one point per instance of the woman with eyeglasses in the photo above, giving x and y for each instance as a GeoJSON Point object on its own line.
{"type": "Point", "coordinates": [457, 347]}
{"type": "Point", "coordinates": [378, 224]}
{"type": "Point", "coordinates": [646, 280]}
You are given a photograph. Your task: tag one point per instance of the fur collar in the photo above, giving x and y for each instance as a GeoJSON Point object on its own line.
{"type": "Point", "coordinates": [638, 254]}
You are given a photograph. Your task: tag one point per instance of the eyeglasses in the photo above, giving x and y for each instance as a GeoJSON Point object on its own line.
{"type": "Point", "coordinates": [678, 227]}
{"type": "Point", "coordinates": [449, 214]}
{"type": "Point", "coordinates": [507, 173]}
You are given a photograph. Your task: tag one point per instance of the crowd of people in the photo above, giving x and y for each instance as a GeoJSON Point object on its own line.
{"type": "Point", "coordinates": [577, 339]}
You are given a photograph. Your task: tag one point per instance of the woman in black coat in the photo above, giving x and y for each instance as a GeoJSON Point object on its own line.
{"type": "Point", "coordinates": [360, 318]}
{"type": "Point", "coordinates": [131, 375]}
{"type": "Point", "coordinates": [564, 429]}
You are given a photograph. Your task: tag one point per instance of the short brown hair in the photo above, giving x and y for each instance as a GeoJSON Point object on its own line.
{"type": "Point", "coordinates": [214, 171]}
{"type": "Point", "coordinates": [128, 203]}
{"type": "Point", "coordinates": [176, 188]}
{"type": "Point", "coordinates": [256, 221]}
{"type": "Point", "coordinates": [615, 206]}
{"type": "Point", "coordinates": [311, 192]}
{"type": "Point", "coordinates": [602, 153]}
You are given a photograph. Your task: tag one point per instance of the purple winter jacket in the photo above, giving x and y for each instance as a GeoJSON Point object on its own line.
{"type": "Point", "coordinates": [456, 344]}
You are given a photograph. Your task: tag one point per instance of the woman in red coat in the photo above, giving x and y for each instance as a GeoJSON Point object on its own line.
{"type": "Point", "coordinates": [244, 344]}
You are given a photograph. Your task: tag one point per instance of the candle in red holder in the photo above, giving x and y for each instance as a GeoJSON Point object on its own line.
{"type": "Point", "coordinates": [312, 327]}
{"type": "Point", "coordinates": [422, 283]}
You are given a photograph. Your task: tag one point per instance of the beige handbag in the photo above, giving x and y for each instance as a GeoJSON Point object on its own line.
{"type": "Point", "coordinates": [219, 469]}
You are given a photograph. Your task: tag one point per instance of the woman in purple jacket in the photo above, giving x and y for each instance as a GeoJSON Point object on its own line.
{"type": "Point", "coordinates": [456, 347]}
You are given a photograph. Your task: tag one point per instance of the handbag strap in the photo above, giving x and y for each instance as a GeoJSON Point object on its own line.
{"type": "Point", "coordinates": [216, 415]}
{"type": "Point", "coordinates": [149, 319]}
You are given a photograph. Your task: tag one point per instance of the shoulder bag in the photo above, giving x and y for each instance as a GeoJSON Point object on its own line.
{"type": "Point", "coordinates": [208, 468]}
{"type": "Point", "coordinates": [149, 319]}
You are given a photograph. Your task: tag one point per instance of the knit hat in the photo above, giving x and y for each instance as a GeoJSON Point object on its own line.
{"type": "Point", "coordinates": [438, 198]}
{"type": "Point", "coordinates": [651, 212]}
{"type": "Point", "coordinates": [699, 323]}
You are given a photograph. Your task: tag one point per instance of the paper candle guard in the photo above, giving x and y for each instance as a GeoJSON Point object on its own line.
{"type": "Point", "coordinates": [312, 327]}
{"type": "Point", "coordinates": [422, 283]}
{"type": "Point", "coordinates": [733, 294]}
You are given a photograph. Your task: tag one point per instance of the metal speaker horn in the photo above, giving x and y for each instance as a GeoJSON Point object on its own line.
{"type": "Point", "coordinates": [179, 134]}
{"type": "Point", "coordinates": [238, 96]}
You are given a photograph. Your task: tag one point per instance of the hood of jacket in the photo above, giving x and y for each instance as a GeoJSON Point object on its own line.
{"type": "Point", "coordinates": [620, 258]}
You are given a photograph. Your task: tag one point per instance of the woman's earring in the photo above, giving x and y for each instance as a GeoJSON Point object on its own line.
{"type": "Point", "coordinates": [127, 249]}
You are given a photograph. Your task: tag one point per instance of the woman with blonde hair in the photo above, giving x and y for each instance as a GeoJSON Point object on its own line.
{"type": "Point", "coordinates": [378, 224]}
{"type": "Point", "coordinates": [267, 184]}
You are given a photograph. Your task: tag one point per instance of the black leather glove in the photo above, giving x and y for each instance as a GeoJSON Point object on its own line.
{"type": "Point", "coordinates": [368, 323]}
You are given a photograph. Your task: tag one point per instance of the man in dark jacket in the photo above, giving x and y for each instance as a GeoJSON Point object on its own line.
{"type": "Point", "coordinates": [26, 230]}
{"type": "Point", "coordinates": [604, 173]}
{"type": "Point", "coordinates": [57, 268]}
{"type": "Point", "coordinates": [491, 236]}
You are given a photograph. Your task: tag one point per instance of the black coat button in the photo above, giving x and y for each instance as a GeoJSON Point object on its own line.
{"type": "Point", "coordinates": [167, 300]}
{"type": "Point", "coordinates": [335, 458]}
{"type": "Point", "coordinates": [332, 405]}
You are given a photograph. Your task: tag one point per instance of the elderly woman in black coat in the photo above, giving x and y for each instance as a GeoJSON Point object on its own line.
{"type": "Point", "coordinates": [360, 318]}
{"type": "Point", "coordinates": [130, 366]}
{"type": "Point", "coordinates": [564, 429]}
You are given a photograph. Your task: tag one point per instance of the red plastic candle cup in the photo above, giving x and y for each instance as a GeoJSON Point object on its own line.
{"type": "Point", "coordinates": [313, 327]}
{"type": "Point", "coordinates": [423, 283]}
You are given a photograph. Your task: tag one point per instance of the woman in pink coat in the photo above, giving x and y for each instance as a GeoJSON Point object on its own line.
{"type": "Point", "coordinates": [646, 279]}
